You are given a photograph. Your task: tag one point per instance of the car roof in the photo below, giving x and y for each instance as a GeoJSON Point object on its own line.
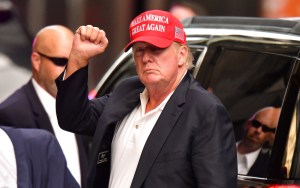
{"type": "Point", "coordinates": [291, 26]}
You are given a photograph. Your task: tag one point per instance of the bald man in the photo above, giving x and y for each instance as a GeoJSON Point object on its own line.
{"type": "Point", "coordinates": [33, 105]}
{"type": "Point", "coordinates": [259, 129]}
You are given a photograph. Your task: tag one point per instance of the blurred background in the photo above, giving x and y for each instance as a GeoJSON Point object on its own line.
{"type": "Point", "coordinates": [21, 19]}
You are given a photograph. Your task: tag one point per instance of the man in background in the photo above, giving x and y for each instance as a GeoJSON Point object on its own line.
{"type": "Point", "coordinates": [259, 130]}
{"type": "Point", "coordinates": [33, 105]}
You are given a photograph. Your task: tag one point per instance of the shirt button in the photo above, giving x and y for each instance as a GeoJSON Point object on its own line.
{"type": "Point", "coordinates": [136, 126]}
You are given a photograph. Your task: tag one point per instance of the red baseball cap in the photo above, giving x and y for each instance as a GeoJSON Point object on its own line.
{"type": "Point", "coordinates": [156, 27]}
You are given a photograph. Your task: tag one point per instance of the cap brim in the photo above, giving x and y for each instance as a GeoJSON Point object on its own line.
{"type": "Point", "coordinates": [153, 40]}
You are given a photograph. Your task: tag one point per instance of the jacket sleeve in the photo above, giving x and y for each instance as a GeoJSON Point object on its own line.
{"type": "Point", "coordinates": [59, 174]}
{"type": "Point", "coordinates": [75, 112]}
{"type": "Point", "coordinates": [48, 163]}
{"type": "Point", "coordinates": [214, 150]}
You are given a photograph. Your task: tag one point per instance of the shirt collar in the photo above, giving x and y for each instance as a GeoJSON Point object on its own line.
{"type": "Point", "coordinates": [144, 97]}
{"type": "Point", "coordinates": [250, 157]}
{"type": "Point", "coordinates": [47, 100]}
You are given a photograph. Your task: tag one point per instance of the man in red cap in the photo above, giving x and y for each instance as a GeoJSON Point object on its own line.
{"type": "Point", "coordinates": [157, 129]}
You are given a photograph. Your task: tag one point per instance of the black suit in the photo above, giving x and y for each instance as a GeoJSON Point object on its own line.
{"type": "Point", "coordinates": [261, 164]}
{"type": "Point", "coordinates": [23, 109]}
{"type": "Point", "coordinates": [40, 160]}
{"type": "Point", "coordinates": [191, 145]}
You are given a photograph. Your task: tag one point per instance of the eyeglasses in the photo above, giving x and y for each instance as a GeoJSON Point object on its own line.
{"type": "Point", "coordinates": [264, 128]}
{"type": "Point", "coordinates": [59, 61]}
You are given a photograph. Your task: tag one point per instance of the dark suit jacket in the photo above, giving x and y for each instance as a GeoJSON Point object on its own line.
{"type": "Point", "coordinates": [23, 109]}
{"type": "Point", "coordinates": [40, 161]}
{"type": "Point", "coordinates": [191, 145]}
{"type": "Point", "coordinates": [261, 164]}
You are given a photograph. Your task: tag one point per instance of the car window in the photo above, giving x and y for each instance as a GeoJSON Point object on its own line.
{"type": "Point", "coordinates": [246, 81]}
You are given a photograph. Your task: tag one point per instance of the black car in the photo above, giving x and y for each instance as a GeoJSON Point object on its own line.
{"type": "Point", "coordinates": [248, 63]}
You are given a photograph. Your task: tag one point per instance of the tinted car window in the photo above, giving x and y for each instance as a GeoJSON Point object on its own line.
{"type": "Point", "coordinates": [246, 81]}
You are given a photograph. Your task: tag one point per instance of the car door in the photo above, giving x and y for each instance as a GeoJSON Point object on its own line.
{"type": "Point", "coordinates": [247, 75]}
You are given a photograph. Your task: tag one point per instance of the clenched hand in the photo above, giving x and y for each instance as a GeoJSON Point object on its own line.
{"type": "Point", "coordinates": [88, 42]}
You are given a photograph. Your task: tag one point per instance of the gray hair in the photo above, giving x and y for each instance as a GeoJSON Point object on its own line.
{"type": "Point", "coordinates": [190, 59]}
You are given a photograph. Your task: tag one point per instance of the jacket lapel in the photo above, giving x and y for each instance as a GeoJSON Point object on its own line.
{"type": "Point", "coordinates": [118, 106]}
{"type": "Point", "coordinates": [160, 132]}
{"type": "Point", "coordinates": [21, 156]}
{"type": "Point", "coordinates": [41, 118]}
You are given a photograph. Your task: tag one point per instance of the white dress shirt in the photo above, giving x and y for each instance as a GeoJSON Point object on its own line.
{"type": "Point", "coordinates": [8, 164]}
{"type": "Point", "coordinates": [130, 137]}
{"type": "Point", "coordinates": [245, 161]}
{"type": "Point", "coordinates": [67, 140]}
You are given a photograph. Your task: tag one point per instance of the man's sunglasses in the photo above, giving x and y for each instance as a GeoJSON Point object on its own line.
{"type": "Point", "coordinates": [264, 128]}
{"type": "Point", "coordinates": [59, 61]}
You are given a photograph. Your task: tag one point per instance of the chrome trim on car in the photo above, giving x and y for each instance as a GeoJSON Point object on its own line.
{"type": "Point", "coordinates": [237, 32]}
